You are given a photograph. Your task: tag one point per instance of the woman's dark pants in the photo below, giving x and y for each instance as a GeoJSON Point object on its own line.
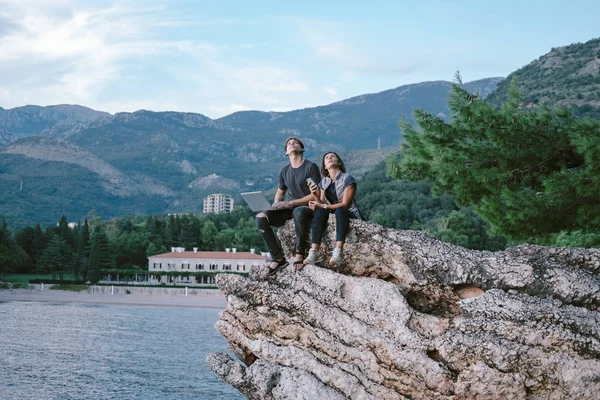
{"type": "Point", "coordinates": [342, 224]}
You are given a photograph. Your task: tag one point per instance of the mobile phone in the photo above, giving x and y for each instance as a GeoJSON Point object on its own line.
{"type": "Point", "coordinates": [310, 181]}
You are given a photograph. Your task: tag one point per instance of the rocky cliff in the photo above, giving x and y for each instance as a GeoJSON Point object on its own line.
{"type": "Point", "coordinates": [410, 317]}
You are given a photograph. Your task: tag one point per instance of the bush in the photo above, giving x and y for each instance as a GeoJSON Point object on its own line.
{"type": "Point", "coordinates": [70, 288]}
{"type": "Point", "coordinates": [7, 285]}
{"type": "Point", "coordinates": [58, 281]}
{"type": "Point", "coordinates": [19, 285]}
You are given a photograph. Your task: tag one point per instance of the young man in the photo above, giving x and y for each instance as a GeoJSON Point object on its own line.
{"type": "Point", "coordinates": [292, 180]}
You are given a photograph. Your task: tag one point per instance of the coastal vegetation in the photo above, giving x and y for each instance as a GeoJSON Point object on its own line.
{"type": "Point", "coordinates": [69, 288]}
{"type": "Point", "coordinates": [96, 247]}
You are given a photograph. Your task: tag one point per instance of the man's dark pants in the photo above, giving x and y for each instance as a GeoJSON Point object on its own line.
{"type": "Point", "coordinates": [275, 218]}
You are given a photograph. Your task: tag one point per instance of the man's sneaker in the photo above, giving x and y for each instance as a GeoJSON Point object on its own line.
{"type": "Point", "coordinates": [336, 256]}
{"type": "Point", "coordinates": [314, 257]}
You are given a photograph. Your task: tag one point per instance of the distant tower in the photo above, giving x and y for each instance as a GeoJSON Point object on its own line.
{"type": "Point", "coordinates": [378, 143]}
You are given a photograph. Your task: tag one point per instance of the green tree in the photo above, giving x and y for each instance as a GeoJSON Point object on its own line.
{"type": "Point", "coordinates": [154, 249]}
{"type": "Point", "coordinates": [209, 233]}
{"type": "Point", "coordinates": [189, 236]}
{"type": "Point", "coordinates": [56, 256]}
{"type": "Point", "coordinates": [247, 236]}
{"type": "Point", "coordinates": [99, 257]}
{"type": "Point", "coordinates": [38, 245]}
{"type": "Point", "coordinates": [467, 229]}
{"type": "Point", "coordinates": [226, 239]}
{"type": "Point", "coordinates": [530, 173]}
{"type": "Point", "coordinates": [64, 231]}
{"type": "Point", "coordinates": [80, 261]}
{"type": "Point", "coordinates": [129, 249]}
{"type": "Point", "coordinates": [12, 257]}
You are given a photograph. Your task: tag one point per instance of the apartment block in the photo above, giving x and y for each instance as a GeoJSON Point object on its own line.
{"type": "Point", "coordinates": [218, 203]}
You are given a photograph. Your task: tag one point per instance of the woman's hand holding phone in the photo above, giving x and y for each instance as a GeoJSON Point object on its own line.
{"type": "Point", "coordinates": [314, 189]}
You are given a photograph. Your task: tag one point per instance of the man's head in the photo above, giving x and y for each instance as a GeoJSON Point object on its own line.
{"type": "Point", "coordinates": [293, 144]}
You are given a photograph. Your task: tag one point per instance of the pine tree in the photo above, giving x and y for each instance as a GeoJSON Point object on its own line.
{"type": "Point", "coordinates": [64, 231]}
{"type": "Point", "coordinates": [25, 239]}
{"type": "Point", "coordinates": [94, 273]}
{"type": "Point", "coordinates": [5, 229]}
{"type": "Point", "coordinates": [38, 244]}
{"type": "Point", "coordinates": [5, 254]}
{"type": "Point", "coordinates": [55, 257]}
{"type": "Point", "coordinates": [531, 173]}
{"type": "Point", "coordinates": [80, 262]}
{"type": "Point", "coordinates": [99, 257]}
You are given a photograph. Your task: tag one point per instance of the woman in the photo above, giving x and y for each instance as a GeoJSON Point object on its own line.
{"type": "Point", "coordinates": [335, 194]}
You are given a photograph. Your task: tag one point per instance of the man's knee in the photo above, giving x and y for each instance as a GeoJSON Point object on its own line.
{"type": "Point", "coordinates": [302, 212]}
{"type": "Point", "coordinates": [262, 222]}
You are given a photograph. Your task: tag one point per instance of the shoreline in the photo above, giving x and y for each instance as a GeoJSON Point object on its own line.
{"type": "Point", "coordinates": [216, 301]}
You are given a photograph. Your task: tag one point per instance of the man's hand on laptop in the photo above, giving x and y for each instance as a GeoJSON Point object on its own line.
{"type": "Point", "coordinates": [282, 204]}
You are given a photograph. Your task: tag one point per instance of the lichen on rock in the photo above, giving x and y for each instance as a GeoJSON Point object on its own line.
{"type": "Point", "coordinates": [409, 317]}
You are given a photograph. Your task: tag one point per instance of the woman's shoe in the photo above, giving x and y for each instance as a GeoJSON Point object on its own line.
{"type": "Point", "coordinates": [336, 257]}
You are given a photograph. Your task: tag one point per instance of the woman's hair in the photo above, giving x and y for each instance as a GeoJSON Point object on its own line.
{"type": "Point", "coordinates": [324, 171]}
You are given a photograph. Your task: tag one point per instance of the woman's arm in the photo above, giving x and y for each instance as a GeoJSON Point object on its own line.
{"type": "Point", "coordinates": [346, 199]}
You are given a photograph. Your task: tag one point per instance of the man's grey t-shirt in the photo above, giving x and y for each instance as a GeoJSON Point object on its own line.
{"type": "Point", "coordinates": [294, 179]}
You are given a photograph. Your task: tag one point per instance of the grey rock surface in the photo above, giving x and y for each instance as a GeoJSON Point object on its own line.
{"type": "Point", "coordinates": [409, 317]}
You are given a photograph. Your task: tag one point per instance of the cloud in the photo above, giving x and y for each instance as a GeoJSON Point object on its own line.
{"type": "Point", "coordinates": [330, 91]}
{"type": "Point", "coordinates": [123, 58]}
{"type": "Point", "coordinates": [225, 110]}
{"type": "Point", "coordinates": [76, 51]}
{"type": "Point", "coordinates": [335, 44]}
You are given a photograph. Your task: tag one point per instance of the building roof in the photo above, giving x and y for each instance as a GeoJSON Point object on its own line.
{"type": "Point", "coordinates": [219, 255]}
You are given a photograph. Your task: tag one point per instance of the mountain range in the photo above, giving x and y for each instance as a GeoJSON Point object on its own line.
{"type": "Point", "coordinates": [70, 159]}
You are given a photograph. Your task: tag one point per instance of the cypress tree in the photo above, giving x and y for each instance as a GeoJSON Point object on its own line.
{"type": "Point", "coordinates": [80, 262]}
{"type": "Point", "coordinates": [99, 256]}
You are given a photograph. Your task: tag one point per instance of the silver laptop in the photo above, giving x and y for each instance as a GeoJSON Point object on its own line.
{"type": "Point", "coordinates": [257, 201]}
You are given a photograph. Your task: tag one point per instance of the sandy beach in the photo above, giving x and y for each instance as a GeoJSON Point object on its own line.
{"type": "Point", "coordinates": [218, 300]}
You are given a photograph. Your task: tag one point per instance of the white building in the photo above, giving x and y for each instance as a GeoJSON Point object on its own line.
{"type": "Point", "coordinates": [210, 262]}
{"type": "Point", "coordinates": [218, 203]}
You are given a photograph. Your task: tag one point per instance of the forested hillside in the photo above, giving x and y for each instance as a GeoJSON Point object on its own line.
{"type": "Point", "coordinates": [402, 204]}
{"type": "Point", "coordinates": [567, 76]}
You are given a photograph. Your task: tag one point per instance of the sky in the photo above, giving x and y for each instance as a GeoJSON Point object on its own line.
{"type": "Point", "coordinates": [219, 57]}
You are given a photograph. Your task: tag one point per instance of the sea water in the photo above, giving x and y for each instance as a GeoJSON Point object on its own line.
{"type": "Point", "coordinates": [89, 351]}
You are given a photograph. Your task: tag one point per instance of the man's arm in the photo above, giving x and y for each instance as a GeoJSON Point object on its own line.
{"type": "Point", "coordinates": [292, 203]}
{"type": "Point", "coordinates": [279, 197]}
{"type": "Point", "coordinates": [301, 202]}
